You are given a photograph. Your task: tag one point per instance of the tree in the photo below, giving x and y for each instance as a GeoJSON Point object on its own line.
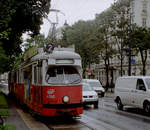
{"type": "Point", "coordinates": [103, 34]}
{"type": "Point", "coordinates": [140, 39]}
{"type": "Point", "coordinates": [17, 17]}
{"type": "Point", "coordinates": [80, 34]}
{"type": "Point", "coordinates": [121, 25]}
{"type": "Point", "coordinates": [38, 40]}
{"type": "Point", "coordinates": [3, 61]}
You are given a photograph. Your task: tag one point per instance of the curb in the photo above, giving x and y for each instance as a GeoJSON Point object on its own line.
{"type": "Point", "coordinates": [31, 123]}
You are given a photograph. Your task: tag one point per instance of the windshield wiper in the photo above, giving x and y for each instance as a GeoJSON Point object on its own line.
{"type": "Point", "coordinates": [75, 81]}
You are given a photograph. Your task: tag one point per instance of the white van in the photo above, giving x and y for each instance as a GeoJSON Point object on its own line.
{"type": "Point", "coordinates": [96, 86]}
{"type": "Point", "coordinates": [133, 91]}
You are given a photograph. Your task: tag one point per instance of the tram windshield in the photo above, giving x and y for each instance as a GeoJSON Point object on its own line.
{"type": "Point", "coordinates": [62, 75]}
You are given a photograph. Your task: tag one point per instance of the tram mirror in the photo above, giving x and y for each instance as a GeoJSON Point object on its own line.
{"type": "Point", "coordinates": [49, 47]}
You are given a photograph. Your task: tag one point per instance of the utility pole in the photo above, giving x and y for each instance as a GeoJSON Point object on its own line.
{"type": "Point", "coordinates": [129, 67]}
{"type": "Point", "coordinates": [129, 42]}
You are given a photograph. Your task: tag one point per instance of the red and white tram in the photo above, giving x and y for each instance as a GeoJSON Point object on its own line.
{"type": "Point", "coordinates": [49, 84]}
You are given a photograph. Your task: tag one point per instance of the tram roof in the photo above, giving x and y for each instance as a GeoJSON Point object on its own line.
{"type": "Point", "coordinates": [57, 54]}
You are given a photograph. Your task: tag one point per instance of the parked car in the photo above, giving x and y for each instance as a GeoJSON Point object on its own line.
{"type": "Point", "coordinates": [96, 85]}
{"type": "Point", "coordinates": [89, 95]}
{"type": "Point", "coordinates": [133, 91]}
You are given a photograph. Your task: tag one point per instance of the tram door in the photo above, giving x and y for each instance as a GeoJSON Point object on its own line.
{"type": "Point", "coordinates": [38, 83]}
{"type": "Point", "coordinates": [27, 81]}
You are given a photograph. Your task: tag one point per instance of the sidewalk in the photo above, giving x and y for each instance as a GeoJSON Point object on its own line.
{"type": "Point", "coordinates": [19, 119]}
{"type": "Point", "coordinates": [12, 118]}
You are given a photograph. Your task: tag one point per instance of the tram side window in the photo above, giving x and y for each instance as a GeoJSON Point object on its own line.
{"type": "Point", "coordinates": [18, 76]}
{"type": "Point", "coordinates": [27, 73]}
{"type": "Point", "coordinates": [38, 75]}
{"type": "Point", "coordinates": [15, 77]}
{"type": "Point", "coordinates": [21, 76]}
{"type": "Point", "coordinates": [9, 77]}
{"type": "Point", "coordinates": [12, 77]}
{"type": "Point", "coordinates": [25, 77]}
{"type": "Point", "coordinates": [35, 75]}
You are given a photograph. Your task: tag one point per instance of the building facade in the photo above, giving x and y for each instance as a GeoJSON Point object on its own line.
{"type": "Point", "coordinates": [140, 14]}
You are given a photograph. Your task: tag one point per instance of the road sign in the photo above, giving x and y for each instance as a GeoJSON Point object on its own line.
{"type": "Point", "coordinates": [89, 71]}
{"type": "Point", "coordinates": [133, 61]}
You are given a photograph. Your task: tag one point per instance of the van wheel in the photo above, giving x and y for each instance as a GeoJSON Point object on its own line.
{"type": "Point", "coordinates": [147, 107]}
{"type": "Point", "coordinates": [119, 104]}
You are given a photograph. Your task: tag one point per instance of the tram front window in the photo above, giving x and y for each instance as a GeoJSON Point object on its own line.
{"type": "Point", "coordinates": [62, 75]}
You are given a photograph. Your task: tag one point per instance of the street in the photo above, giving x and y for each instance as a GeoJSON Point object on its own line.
{"type": "Point", "coordinates": [106, 117]}
{"type": "Point", "coordinates": [58, 57]}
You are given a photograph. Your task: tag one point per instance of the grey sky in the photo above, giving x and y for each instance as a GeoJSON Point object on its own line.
{"type": "Point", "coordinates": [75, 10]}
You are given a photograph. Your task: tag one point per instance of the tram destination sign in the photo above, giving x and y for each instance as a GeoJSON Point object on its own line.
{"type": "Point", "coordinates": [64, 61]}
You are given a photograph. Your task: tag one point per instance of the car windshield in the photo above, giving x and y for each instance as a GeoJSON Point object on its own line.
{"type": "Point", "coordinates": [86, 87]}
{"type": "Point", "coordinates": [147, 80]}
{"type": "Point", "coordinates": [62, 75]}
{"type": "Point", "coordinates": [95, 84]}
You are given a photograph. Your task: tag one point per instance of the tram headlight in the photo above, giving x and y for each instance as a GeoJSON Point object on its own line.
{"type": "Point", "coordinates": [65, 99]}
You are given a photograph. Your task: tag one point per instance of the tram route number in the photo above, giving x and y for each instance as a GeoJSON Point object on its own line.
{"type": "Point", "coordinates": [50, 93]}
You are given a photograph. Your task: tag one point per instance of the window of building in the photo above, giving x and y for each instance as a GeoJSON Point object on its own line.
{"type": "Point", "coordinates": [144, 4]}
{"type": "Point", "coordinates": [144, 22]}
{"type": "Point", "coordinates": [144, 10]}
{"type": "Point", "coordinates": [132, 6]}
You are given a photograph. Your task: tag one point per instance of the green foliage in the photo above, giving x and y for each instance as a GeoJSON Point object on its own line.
{"type": "Point", "coordinates": [38, 40]}
{"type": "Point", "coordinates": [7, 127]}
{"type": "Point", "coordinates": [80, 34]}
{"type": "Point", "coordinates": [104, 22]}
{"type": "Point", "coordinates": [18, 60]}
{"type": "Point", "coordinates": [3, 102]}
{"type": "Point", "coordinates": [122, 24]}
{"type": "Point", "coordinates": [17, 17]}
{"type": "Point", "coordinates": [140, 39]}
{"type": "Point", "coordinates": [4, 112]}
{"type": "Point", "coordinates": [4, 60]}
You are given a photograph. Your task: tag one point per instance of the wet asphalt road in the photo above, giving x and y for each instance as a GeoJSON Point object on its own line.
{"type": "Point", "coordinates": [106, 117]}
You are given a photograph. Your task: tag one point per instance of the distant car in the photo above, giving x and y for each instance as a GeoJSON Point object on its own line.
{"type": "Point", "coordinates": [3, 84]}
{"type": "Point", "coordinates": [96, 85]}
{"type": "Point", "coordinates": [89, 95]}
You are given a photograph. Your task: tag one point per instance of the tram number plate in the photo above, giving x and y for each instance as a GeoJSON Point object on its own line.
{"type": "Point", "coordinates": [50, 93]}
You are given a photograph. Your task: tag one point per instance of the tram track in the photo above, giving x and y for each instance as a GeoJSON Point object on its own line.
{"type": "Point", "coordinates": [72, 124]}
{"type": "Point", "coordinates": [50, 123]}
{"type": "Point", "coordinates": [53, 123]}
